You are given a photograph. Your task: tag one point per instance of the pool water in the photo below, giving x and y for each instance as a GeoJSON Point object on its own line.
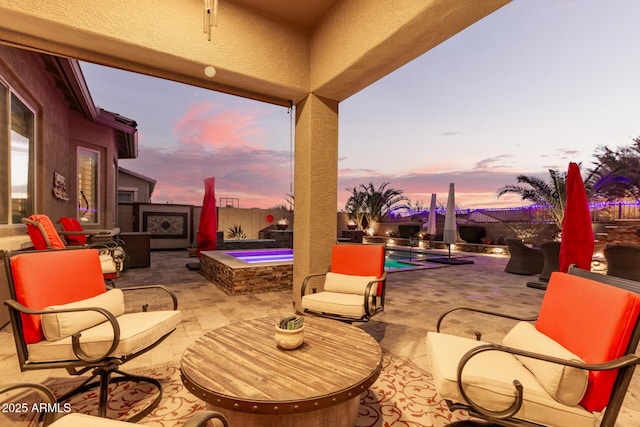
{"type": "Point", "coordinates": [394, 259]}
{"type": "Point", "coordinates": [393, 264]}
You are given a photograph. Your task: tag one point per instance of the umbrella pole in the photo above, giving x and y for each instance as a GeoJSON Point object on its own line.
{"type": "Point", "coordinates": [449, 247]}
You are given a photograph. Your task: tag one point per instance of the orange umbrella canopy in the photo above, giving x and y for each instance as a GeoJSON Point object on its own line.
{"type": "Point", "coordinates": [577, 233]}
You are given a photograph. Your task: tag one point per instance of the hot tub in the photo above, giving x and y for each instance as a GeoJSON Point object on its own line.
{"type": "Point", "coordinates": [262, 255]}
{"type": "Point", "coordinates": [249, 271]}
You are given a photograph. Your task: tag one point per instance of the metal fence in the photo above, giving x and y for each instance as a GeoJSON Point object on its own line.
{"type": "Point", "coordinates": [600, 212]}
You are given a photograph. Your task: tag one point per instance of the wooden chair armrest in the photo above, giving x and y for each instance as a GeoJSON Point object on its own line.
{"type": "Point", "coordinates": [626, 360]}
{"type": "Point", "coordinates": [75, 338]}
{"type": "Point", "coordinates": [173, 296]}
{"type": "Point", "coordinates": [481, 311]}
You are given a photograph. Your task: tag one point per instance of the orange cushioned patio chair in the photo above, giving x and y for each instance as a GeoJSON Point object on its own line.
{"type": "Point", "coordinates": [572, 367]}
{"type": "Point", "coordinates": [63, 316]}
{"type": "Point", "coordinates": [43, 235]}
{"type": "Point", "coordinates": [75, 234]}
{"type": "Point", "coordinates": [354, 286]}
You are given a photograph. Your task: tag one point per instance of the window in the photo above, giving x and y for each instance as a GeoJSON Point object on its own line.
{"type": "Point", "coordinates": [16, 158]}
{"type": "Point", "coordinates": [88, 173]}
{"type": "Point", "coordinates": [126, 196]}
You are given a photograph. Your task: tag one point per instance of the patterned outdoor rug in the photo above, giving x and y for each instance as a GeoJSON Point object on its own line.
{"type": "Point", "coordinates": [403, 395]}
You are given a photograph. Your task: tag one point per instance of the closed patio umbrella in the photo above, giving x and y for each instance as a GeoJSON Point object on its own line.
{"type": "Point", "coordinates": [431, 220]}
{"type": "Point", "coordinates": [450, 232]}
{"type": "Point", "coordinates": [577, 233]}
{"type": "Point", "coordinates": [208, 228]}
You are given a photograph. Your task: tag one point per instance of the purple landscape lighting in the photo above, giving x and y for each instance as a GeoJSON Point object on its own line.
{"type": "Point", "coordinates": [263, 255]}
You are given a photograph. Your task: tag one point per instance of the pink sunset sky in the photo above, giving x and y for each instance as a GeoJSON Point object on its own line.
{"type": "Point", "coordinates": [528, 88]}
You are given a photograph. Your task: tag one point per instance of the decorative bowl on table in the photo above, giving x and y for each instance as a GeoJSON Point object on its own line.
{"type": "Point", "coordinates": [289, 339]}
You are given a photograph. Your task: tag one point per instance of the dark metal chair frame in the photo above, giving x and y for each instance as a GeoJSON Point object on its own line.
{"type": "Point", "coordinates": [626, 365]}
{"type": "Point", "coordinates": [372, 288]}
{"type": "Point", "coordinates": [198, 419]}
{"type": "Point", "coordinates": [102, 367]}
{"type": "Point", "coordinates": [113, 246]}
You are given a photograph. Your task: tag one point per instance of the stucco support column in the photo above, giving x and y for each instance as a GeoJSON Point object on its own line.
{"type": "Point", "coordinates": [315, 187]}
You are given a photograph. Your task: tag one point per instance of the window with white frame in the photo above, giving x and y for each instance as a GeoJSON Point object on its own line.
{"type": "Point", "coordinates": [17, 130]}
{"type": "Point", "coordinates": [88, 185]}
{"type": "Point", "coordinates": [126, 196]}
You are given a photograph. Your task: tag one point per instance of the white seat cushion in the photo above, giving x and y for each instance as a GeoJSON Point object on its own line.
{"type": "Point", "coordinates": [349, 305]}
{"type": "Point", "coordinates": [137, 331]}
{"type": "Point", "coordinates": [108, 264]}
{"type": "Point", "coordinates": [75, 419]}
{"type": "Point", "coordinates": [488, 379]}
{"type": "Point", "coordinates": [565, 384]}
{"type": "Point", "coordinates": [61, 325]}
{"type": "Point", "coordinates": [347, 283]}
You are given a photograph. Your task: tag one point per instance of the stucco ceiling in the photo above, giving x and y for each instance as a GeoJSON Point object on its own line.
{"type": "Point", "coordinates": [301, 13]}
{"type": "Point", "coordinates": [275, 51]}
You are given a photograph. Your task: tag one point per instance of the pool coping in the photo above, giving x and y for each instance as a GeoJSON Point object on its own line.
{"type": "Point", "coordinates": [234, 262]}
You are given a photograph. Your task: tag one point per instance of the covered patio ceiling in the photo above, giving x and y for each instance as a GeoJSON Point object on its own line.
{"type": "Point", "coordinates": [276, 51]}
{"type": "Point", "coordinates": [311, 54]}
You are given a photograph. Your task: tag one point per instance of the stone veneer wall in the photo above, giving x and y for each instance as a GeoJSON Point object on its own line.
{"type": "Point", "coordinates": [459, 247]}
{"type": "Point", "coordinates": [623, 231]}
{"type": "Point", "coordinates": [248, 280]}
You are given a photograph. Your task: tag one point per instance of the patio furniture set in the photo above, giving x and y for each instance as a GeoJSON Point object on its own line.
{"type": "Point", "coordinates": [623, 260]}
{"type": "Point", "coordinates": [571, 367]}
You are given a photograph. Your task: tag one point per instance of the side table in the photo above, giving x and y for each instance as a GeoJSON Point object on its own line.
{"type": "Point", "coordinates": [137, 247]}
{"type": "Point", "coordinates": [239, 371]}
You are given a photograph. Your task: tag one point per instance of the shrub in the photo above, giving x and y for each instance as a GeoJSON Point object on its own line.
{"type": "Point", "coordinates": [235, 232]}
{"type": "Point", "coordinates": [408, 230]}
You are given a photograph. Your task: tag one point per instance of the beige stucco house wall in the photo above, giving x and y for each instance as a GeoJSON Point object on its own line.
{"type": "Point", "coordinates": [61, 126]}
{"type": "Point", "coordinates": [137, 186]}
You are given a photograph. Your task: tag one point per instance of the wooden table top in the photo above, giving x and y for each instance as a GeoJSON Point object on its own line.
{"type": "Point", "coordinates": [240, 367]}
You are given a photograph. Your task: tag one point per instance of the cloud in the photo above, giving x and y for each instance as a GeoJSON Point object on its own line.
{"type": "Point", "coordinates": [474, 188]}
{"type": "Point", "coordinates": [493, 162]}
{"type": "Point", "coordinates": [451, 133]}
{"type": "Point", "coordinates": [226, 144]}
{"type": "Point", "coordinates": [230, 145]}
{"type": "Point", "coordinates": [209, 124]}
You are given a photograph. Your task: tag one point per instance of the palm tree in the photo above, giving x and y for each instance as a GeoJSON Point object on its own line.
{"type": "Point", "coordinates": [551, 194]}
{"type": "Point", "coordinates": [372, 204]}
{"type": "Point", "coordinates": [355, 206]}
{"type": "Point", "coordinates": [379, 202]}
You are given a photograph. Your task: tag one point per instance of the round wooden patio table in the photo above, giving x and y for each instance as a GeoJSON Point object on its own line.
{"type": "Point", "coordinates": [240, 371]}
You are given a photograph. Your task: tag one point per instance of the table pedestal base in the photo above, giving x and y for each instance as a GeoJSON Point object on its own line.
{"type": "Point", "coordinates": [343, 414]}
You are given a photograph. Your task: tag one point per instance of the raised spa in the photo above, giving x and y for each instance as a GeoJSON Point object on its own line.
{"type": "Point", "coordinates": [249, 271]}
{"type": "Point", "coordinates": [264, 270]}
{"type": "Point", "coordinates": [263, 255]}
